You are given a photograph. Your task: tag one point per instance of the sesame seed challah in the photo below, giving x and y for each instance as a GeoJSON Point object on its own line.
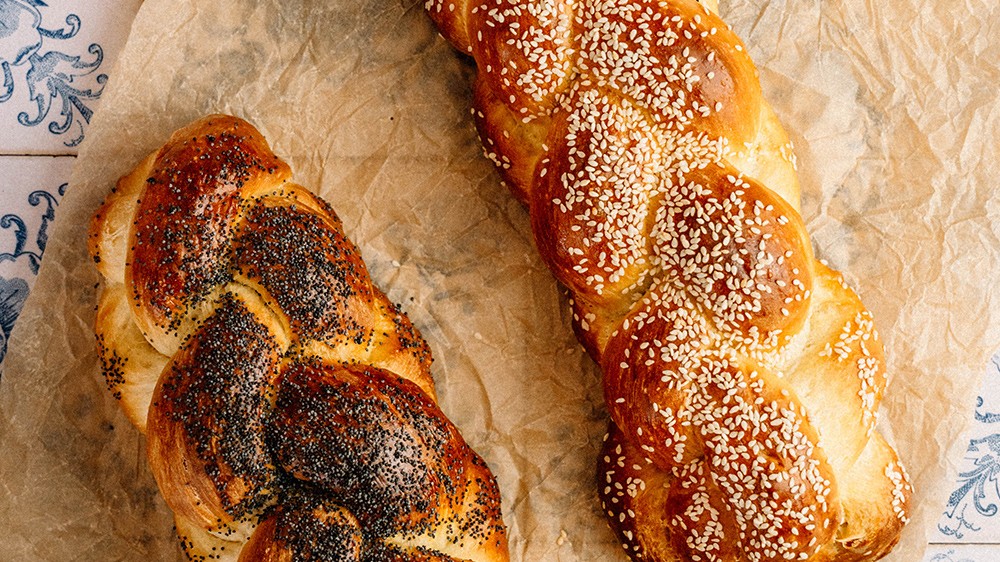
{"type": "Point", "coordinates": [742, 376]}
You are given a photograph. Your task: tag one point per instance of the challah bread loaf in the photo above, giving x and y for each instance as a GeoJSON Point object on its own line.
{"type": "Point", "coordinates": [743, 377]}
{"type": "Point", "coordinates": [288, 405]}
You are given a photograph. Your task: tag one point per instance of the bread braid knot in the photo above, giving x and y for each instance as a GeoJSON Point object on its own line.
{"type": "Point", "coordinates": [742, 376]}
{"type": "Point", "coordinates": [288, 405]}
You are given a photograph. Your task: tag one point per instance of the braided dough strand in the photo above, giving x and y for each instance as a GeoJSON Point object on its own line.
{"type": "Point", "coordinates": [288, 405]}
{"type": "Point", "coordinates": [742, 376]}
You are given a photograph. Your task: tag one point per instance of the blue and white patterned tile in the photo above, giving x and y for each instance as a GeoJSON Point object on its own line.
{"type": "Point", "coordinates": [962, 553]}
{"type": "Point", "coordinates": [30, 190]}
{"type": "Point", "coordinates": [972, 512]}
{"type": "Point", "coordinates": [55, 56]}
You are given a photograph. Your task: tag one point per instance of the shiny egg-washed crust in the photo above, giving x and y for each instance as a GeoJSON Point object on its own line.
{"type": "Point", "coordinates": [288, 405]}
{"type": "Point", "coordinates": [743, 377]}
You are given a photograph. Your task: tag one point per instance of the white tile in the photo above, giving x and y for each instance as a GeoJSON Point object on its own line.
{"type": "Point", "coordinates": [30, 190]}
{"type": "Point", "coordinates": [962, 553]}
{"type": "Point", "coordinates": [972, 513]}
{"type": "Point", "coordinates": [54, 63]}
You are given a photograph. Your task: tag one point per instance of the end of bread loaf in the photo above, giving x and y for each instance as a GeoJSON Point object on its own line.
{"type": "Point", "coordinates": [679, 514]}
{"type": "Point", "coordinates": [288, 404]}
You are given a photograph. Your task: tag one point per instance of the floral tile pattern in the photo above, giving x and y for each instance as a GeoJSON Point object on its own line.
{"type": "Point", "coordinates": [54, 61]}
{"type": "Point", "coordinates": [30, 191]}
{"type": "Point", "coordinates": [962, 553]}
{"type": "Point", "coordinates": [970, 514]}
{"type": "Point", "coordinates": [13, 293]}
{"type": "Point", "coordinates": [55, 57]}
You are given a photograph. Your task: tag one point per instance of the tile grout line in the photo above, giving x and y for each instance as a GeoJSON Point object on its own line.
{"type": "Point", "coordinates": [963, 544]}
{"type": "Point", "coordinates": [26, 155]}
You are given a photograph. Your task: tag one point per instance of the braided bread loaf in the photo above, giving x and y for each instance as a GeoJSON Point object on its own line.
{"type": "Point", "coordinates": [288, 405]}
{"type": "Point", "coordinates": [742, 376]}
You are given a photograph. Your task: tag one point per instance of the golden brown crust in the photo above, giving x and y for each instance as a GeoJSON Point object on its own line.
{"type": "Point", "coordinates": [678, 514]}
{"type": "Point", "coordinates": [743, 375]}
{"type": "Point", "coordinates": [287, 402]}
{"type": "Point", "coordinates": [183, 224]}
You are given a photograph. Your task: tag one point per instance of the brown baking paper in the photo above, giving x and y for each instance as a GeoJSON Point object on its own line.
{"type": "Point", "coordinates": [892, 109]}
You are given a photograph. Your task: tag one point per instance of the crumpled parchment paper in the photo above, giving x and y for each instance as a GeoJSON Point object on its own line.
{"type": "Point", "coordinates": [893, 109]}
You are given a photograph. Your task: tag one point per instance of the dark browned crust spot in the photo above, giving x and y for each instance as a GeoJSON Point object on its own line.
{"type": "Point", "coordinates": [209, 412]}
{"type": "Point", "coordinates": [306, 527]}
{"type": "Point", "coordinates": [183, 227]}
{"type": "Point", "coordinates": [377, 443]}
{"type": "Point", "coordinates": [308, 266]}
